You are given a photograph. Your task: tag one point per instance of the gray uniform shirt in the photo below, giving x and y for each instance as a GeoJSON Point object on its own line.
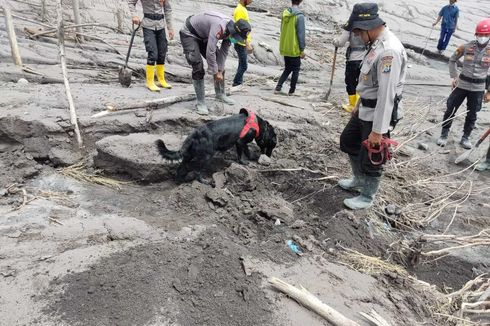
{"type": "Point", "coordinates": [211, 28]}
{"type": "Point", "coordinates": [357, 48]}
{"type": "Point", "coordinates": [382, 77]}
{"type": "Point", "coordinates": [154, 7]}
{"type": "Point", "coordinates": [476, 64]}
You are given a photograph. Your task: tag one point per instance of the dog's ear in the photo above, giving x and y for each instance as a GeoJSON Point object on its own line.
{"type": "Point", "coordinates": [244, 111]}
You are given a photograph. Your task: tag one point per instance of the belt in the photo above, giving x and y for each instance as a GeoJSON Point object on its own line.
{"type": "Point", "coordinates": [153, 16]}
{"type": "Point", "coordinates": [357, 48]}
{"type": "Point", "coordinates": [369, 103]}
{"type": "Point", "coordinates": [472, 80]}
{"type": "Point", "coordinates": [191, 28]}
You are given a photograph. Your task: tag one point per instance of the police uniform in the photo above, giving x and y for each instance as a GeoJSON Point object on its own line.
{"type": "Point", "coordinates": [380, 86]}
{"type": "Point", "coordinates": [200, 36]}
{"type": "Point", "coordinates": [155, 12]}
{"type": "Point", "coordinates": [471, 84]}
{"type": "Point", "coordinates": [381, 83]}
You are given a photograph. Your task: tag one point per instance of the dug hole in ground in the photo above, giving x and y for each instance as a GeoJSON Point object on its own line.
{"type": "Point", "coordinates": [104, 235]}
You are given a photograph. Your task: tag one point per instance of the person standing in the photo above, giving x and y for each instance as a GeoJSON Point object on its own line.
{"type": "Point", "coordinates": [242, 49]}
{"type": "Point", "coordinates": [292, 45]}
{"type": "Point", "coordinates": [199, 37]}
{"type": "Point", "coordinates": [449, 15]}
{"type": "Point", "coordinates": [381, 81]}
{"type": "Point", "coordinates": [154, 14]}
{"type": "Point", "coordinates": [470, 84]}
{"type": "Point", "coordinates": [354, 54]}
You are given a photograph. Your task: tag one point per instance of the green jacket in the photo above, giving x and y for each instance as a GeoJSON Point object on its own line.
{"type": "Point", "coordinates": [292, 41]}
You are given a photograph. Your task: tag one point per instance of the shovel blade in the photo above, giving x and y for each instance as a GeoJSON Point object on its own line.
{"type": "Point", "coordinates": [125, 77]}
{"type": "Point", "coordinates": [463, 156]}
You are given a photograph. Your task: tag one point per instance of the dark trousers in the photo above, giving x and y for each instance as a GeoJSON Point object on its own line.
{"type": "Point", "coordinates": [352, 71]}
{"type": "Point", "coordinates": [194, 51]}
{"type": "Point", "coordinates": [473, 104]}
{"type": "Point", "coordinates": [242, 64]}
{"type": "Point", "coordinates": [291, 65]}
{"type": "Point", "coordinates": [444, 38]}
{"type": "Point", "coordinates": [354, 133]}
{"type": "Point", "coordinates": [156, 45]}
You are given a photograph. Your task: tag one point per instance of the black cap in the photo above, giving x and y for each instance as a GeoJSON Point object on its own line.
{"type": "Point", "coordinates": [364, 16]}
{"type": "Point", "coordinates": [239, 29]}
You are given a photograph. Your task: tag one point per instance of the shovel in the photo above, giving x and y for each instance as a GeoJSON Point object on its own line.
{"type": "Point", "coordinates": [333, 71]}
{"type": "Point", "coordinates": [467, 154]}
{"type": "Point", "coordinates": [124, 72]}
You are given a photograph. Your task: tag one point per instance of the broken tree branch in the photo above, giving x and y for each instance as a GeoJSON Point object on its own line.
{"type": "Point", "coordinates": [311, 302]}
{"type": "Point", "coordinates": [76, 15]}
{"type": "Point", "coordinates": [61, 45]}
{"type": "Point", "coordinates": [14, 47]}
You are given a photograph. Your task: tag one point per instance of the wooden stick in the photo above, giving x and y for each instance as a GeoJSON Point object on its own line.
{"type": "Point", "coordinates": [76, 15]}
{"type": "Point", "coordinates": [61, 45]}
{"type": "Point", "coordinates": [11, 34]}
{"type": "Point", "coordinates": [311, 302]}
{"type": "Point", "coordinates": [375, 318]}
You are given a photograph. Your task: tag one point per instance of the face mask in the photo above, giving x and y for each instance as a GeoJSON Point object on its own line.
{"type": "Point", "coordinates": [482, 39]}
{"type": "Point", "coordinates": [233, 40]}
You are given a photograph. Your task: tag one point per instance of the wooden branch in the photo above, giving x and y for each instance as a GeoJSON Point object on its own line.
{"type": "Point", "coordinates": [311, 302]}
{"type": "Point", "coordinates": [11, 35]}
{"type": "Point", "coordinates": [375, 318]}
{"type": "Point", "coordinates": [61, 45]}
{"type": "Point", "coordinates": [278, 101]}
{"type": "Point", "coordinates": [446, 250]}
{"type": "Point", "coordinates": [54, 30]}
{"type": "Point", "coordinates": [43, 10]}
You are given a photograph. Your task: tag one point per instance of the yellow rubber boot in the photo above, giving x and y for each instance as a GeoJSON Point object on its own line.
{"type": "Point", "coordinates": [161, 76]}
{"type": "Point", "coordinates": [150, 79]}
{"type": "Point", "coordinates": [352, 103]}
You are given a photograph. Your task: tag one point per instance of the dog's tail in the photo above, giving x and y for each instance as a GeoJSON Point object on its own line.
{"type": "Point", "coordinates": [166, 153]}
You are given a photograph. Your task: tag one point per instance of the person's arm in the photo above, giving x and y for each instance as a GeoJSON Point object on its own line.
{"type": "Point", "coordinates": [211, 56]}
{"type": "Point", "coordinates": [453, 64]}
{"type": "Point", "coordinates": [301, 32]}
{"type": "Point", "coordinates": [167, 9]}
{"type": "Point", "coordinates": [487, 94]}
{"type": "Point", "coordinates": [132, 11]}
{"type": "Point", "coordinates": [439, 17]}
{"type": "Point", "coordinates": [342, 39]}
{"type": "Point", "coordinates": [388, 71]}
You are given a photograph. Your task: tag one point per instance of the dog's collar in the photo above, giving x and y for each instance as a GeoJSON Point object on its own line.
{"type": "Point", "coordinates": [250, 123]}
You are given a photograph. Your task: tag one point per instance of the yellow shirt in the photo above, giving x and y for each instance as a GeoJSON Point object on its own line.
{"type": "Point", "coordinates": [241, 12]}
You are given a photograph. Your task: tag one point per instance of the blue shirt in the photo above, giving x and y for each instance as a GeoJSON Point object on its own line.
{"type": "Point", "coordinates": [449, 14]}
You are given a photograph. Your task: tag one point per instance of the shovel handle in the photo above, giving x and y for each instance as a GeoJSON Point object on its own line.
{"type": "Point", "coordinates": [482, 138]}
{"type": "Point", "coordinates": [131, 43]}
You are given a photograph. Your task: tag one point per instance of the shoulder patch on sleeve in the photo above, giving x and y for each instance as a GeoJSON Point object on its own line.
{"type": "Point", "coordinates": [386, 62]}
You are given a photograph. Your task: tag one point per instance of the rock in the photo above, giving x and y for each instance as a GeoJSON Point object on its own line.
{"type": "Point", "coordinates": [283, 213]}
{"type": "Point", "coordinates": [63, 157]}
{"type": "Point", "coordinates": [219, 179]}
{"type": "Point", "coordinates": [346, 214]}
{"type": "Point", "coordinates": [136, 155]}
{"type": "Point", "coordinates": [15, 234]}
{"type": "Point", "coordinates": [298, 224]}
{"type": "Point", "coordinates": [239, 178]}
{"type": "Point", "coordinates": [277, 222]}
{"type": "Point", "coordinates": [126, 229]}
{"type": "Point", "coordinates": [422, 146]}
{"type": "Point", "coordinates": [390, 209]}
{"type": "Point", "coordinates": [398, 211]}
{"type": "Point", "coordinates": [264, 160]}
{"type": "Point", "coordinates": [22, 81]}
{"type": "Point", "coordinates": [217, 197]}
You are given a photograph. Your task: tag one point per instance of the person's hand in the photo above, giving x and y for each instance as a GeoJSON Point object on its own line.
{"type": "Point", "coordinates": [170, 34]}
{"type": "Point", "coordinates": [302, 55]}
{"type": "Point", "coordinates": [434, 24]}
{"type": "Point", "coordinates": [136, 20]}
{"type": "Point", "coordinates": [486, 99]}
{"type": "Point", "coordinates": [250, 48]}
{"type": "Point", "coordinates": [454, 83]}
{"type": "Point", "coordinates": [374, 139]}
{"type": "Point", "coordinates": [218, 76]}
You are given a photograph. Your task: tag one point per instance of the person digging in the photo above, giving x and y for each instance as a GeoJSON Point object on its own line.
{"type": "Point", "coordinates": [155, 13]}
{"type": "Point", "coordinates": [199, 37]}
{"type": "Point", "coordinates": [470, 84]}
{"type": "Point", "coordinates": [366, 136]}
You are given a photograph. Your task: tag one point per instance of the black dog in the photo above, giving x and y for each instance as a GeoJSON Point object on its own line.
{"type": "Point", "coordinates": [221, 135]}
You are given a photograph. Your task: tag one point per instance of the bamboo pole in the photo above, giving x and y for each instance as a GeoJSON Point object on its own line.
{"type": "Point", "coordinates": [311, 302]}
{"type": "Point", "coordinates": [61, 45]}
{"type": "Point", "coordinates": [11, 35]}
